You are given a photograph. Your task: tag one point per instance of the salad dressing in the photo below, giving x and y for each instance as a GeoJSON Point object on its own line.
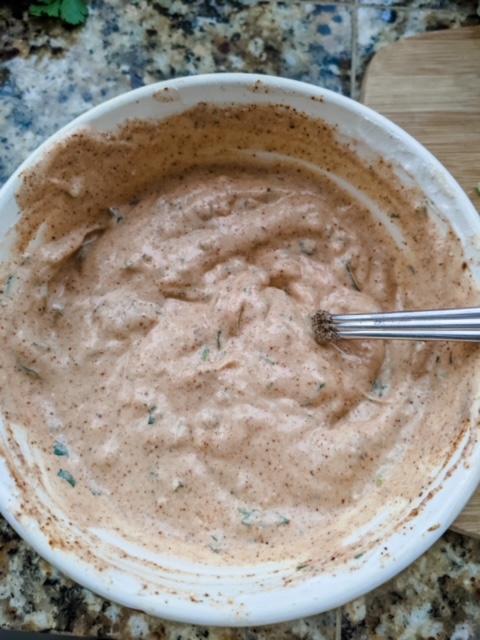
{"type": "Point", "coordinates": [156, 342]}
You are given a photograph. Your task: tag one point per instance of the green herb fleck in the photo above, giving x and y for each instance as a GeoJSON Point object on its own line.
{"type": "Point", "coordinates": [320, 387]}
{"type": "Point", "coordinates": [351, 275]}
{"type": "Point", "coordinates": [179, 486]}
{"type": "Point", "coordinates": [437, 359]}
{"type": "Point", "coordinates": [28, 370]}
{"type": "Point", "coordinates": [219, 342]}
{"type": "Point", "coordinates": [412, 269]}
{"type": "Point", "coordinates": [379, 387]}
{"type": "Point", "coordinates": [9, 283]}
{"type": "Point", "coordinates": [247, 516]}
{"type": "Point", "coordinates": [115, 214]}
{"type": "Point", "coordinates": [283, 521]}
{"type": "Point", "coordinates": [66, 475]}
{"type": "Point", "coordinates": [358, 556]}
{"type": "Point", "coordinates": [478, 188]}
{"type": "Point", "coordinates": [395, 215]}
{"type": "Point", "coordinates": [205, 353]}
{"type": "Point", "coordinates": [72, 12]}
{"type": "Point", "coordinates": [152, 415]}
{"type": "Point", "coordinates": [216, 546]}
{"type": "Point", "coordinates": [60, 449]}
{"type": "Point", "coordinates": [40, 346]}
{"type": "Point", "coordinates": [378, 482]}
{"type": "Point", "coordinates": [300, 567]}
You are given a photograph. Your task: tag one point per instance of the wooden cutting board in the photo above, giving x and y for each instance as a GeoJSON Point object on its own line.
{"type": "Point", "coordinates": [430, 86]}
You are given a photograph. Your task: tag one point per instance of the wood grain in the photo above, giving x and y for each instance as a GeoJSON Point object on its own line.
{"type": "Point", "coordinates": [430, 86]}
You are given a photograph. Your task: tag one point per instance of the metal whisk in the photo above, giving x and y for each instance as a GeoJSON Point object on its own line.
{"type": "Point", "coordinates": [459, 325]}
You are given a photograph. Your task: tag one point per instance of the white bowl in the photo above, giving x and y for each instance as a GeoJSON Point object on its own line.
{"type": "Point", "coordinates": [274, 592]}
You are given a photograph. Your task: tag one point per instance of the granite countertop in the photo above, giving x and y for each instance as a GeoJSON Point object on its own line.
{"type": "Point", "coordinates": [50, 74]}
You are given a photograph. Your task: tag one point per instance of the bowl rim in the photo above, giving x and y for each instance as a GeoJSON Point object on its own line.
{"type": "Point", "coordinates": [303, 599]}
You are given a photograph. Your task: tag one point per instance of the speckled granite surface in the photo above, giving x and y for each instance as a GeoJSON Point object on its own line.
{"type": "Point", "coordinates": [48, 75]}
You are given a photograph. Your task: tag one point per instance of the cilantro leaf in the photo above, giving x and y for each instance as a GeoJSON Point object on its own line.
{"type": "Point", "coordinates": [47, 9]}
{"type": "Point", "coordinates": [72, 12]}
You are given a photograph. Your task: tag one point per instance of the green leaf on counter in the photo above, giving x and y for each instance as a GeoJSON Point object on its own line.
{"type": "Point", "coordinates": [73, 12]}
{"type": "Point", "coordinates": [47, 8]}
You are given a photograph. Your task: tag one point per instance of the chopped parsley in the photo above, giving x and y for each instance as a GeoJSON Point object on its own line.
{"type": "Point", "coordinates": [379, 387]}
{"type": "Point", "coordinates": [115, 214]}
{"type": "Point", "coordinates": [352, 276]}
{"type": "Point", "coordinates": [205, 353]}
{"type": "Point", "coordinates": [247, 516]}
{"type": "Point", "coordinates": [28, 370]}
{"type": "Point", "coordinates": [40, 346]}
{"type": "Point", "coordinates": [283, 521]}
{"type": "Point", "coordinates": [251, 517]}
{"type": "Point", "coordinates": [9, 283]}
{"type": "Point", "coordinates": [67, 476]}
{"type": "Point", "coordinates": [60, 449]}
{"type": "Point", "coordinates": [266, 359]}
{"type": "Point", "coordinates": [215, 546]}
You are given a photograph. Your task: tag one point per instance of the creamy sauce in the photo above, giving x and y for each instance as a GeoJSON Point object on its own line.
{"type": "Point", "coordinates": [158, 349]}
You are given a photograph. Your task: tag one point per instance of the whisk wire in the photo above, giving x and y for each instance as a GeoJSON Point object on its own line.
{"type": "Point", "coordinates": [445, 324]}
